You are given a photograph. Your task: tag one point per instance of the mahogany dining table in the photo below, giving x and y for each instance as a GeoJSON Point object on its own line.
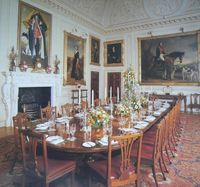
{"type": "Point", "coordinates": [76, 147]}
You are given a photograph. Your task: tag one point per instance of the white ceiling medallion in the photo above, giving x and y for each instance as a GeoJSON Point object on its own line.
{"type": "Point", "coordinates": [163, 8]}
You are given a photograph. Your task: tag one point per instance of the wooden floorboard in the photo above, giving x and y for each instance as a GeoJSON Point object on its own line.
{"type": "Point", "coordinates": [6, 131]}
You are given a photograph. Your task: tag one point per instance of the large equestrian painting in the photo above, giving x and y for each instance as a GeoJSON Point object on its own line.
{"type": "Point", "coordinates": [171, 59]}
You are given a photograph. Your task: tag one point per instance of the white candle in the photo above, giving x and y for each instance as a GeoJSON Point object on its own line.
{"type": "Point", "coordinates": [105, 94]}
{"type": "Point", "coordinates": [117, 94]}
{"type": "Point", "coordinates": [92, 98]}
{"type": "Point", "coordinates": [111, 94]}
{"type": "Point", "coordinates": [79, 96]}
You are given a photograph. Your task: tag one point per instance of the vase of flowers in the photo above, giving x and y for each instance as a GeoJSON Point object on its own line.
{"type": "Point", "coordinates": [122, 110]}
{"type": "Point", "coordinates": [96, 118]}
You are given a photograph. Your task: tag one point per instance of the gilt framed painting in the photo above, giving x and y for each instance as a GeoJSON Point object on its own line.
{"type": "Point", "coordinates": [34, 35]}
{"type": "Point", "coordinates": [113, 53]}
{"type": "Point", "coordinates": [95, 50]}
{"type": "Point", "coordinates": [170, 60]}
{"type": "Point", "coordinates": [74, 59]}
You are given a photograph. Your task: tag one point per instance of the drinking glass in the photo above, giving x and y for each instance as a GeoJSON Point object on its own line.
{"type": "Point", "coordinates": [72, 130]}
{"type": "Point", "coordinates": [87, 133]}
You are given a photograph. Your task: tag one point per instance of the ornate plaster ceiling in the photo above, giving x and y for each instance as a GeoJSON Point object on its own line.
{"type": "Point", "coordinates": [116, 15]}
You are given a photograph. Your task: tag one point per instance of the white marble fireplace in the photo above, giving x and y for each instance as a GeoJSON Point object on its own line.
{"type": "Point", "coordinates": [16, 80]}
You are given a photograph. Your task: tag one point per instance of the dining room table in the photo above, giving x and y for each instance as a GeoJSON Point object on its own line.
{"type": "Point", "coordinates": [58, 131]}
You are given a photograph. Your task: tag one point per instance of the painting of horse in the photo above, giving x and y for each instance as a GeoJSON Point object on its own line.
{"type": "Point", "coordinates": [169, 59]}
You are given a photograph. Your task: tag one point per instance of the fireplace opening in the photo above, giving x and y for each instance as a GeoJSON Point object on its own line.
{"type": "Point", "coordinates": [31, 99]}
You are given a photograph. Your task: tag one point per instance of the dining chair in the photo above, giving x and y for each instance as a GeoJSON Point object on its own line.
{"type": "Point", "coordinates": [119, 170]}
{"type": "Point", "coordinates": [151, 154]}
{"type": "Point", "coordinates": [37, 165]}
{"type": "Point", "coordinates": [84, 105]}
{"type": "Point", "coordinates": [67, 109]}
{"type": "Point", "coordinates": [48, 112]}
{"type": "Point", "coordinates": [19, 121]}
{"type": "Point", "coordinates": [194, 102]}
{"type": "Point", "coordinates": [97, 102]}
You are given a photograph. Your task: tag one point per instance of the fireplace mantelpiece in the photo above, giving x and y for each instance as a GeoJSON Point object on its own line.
{"type": "Point", "coordinates": [16, 80]}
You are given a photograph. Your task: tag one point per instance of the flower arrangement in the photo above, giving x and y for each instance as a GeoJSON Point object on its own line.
{"type": "Point", "coordinates": [123, 110]}
{"type": "Point", "coordinates": [136, 105]}
{"type": "Point", "coordinates": [129, 81]}
{"type": "Point", "coordinates": [97, 117]}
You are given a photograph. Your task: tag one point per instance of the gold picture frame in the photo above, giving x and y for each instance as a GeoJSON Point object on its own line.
{"type": "Point", "coordinates": [95, 50]}
{"type": "Point", "coordinates": [170, 59]}
{"type": "Point", "coordinates": [74, 59]}
{"type": "Point", "coordinates": [34, 35]}
{"type": "Point", "coordinates": [113, 53]}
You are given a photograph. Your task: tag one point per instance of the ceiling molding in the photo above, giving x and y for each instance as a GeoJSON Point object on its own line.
{"type": "Point", "coordinates": [133, 25]}
{"type": "Point", "coordinates": [154, 24]}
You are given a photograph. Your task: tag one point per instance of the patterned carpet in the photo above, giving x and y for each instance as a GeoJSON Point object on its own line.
{"type": "Point", "coordinates": [183, 172]}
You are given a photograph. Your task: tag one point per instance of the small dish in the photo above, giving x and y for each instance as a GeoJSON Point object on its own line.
{"type": "Point", "coordinates": [88, 144]}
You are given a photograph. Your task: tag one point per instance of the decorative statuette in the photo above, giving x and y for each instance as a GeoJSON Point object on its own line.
{"type": "Point", "coordinates": [12, 57]}
{"type": "Point", "coordinates": [23, 66]}
{"type": "Point", "coordinates": [56, 63]}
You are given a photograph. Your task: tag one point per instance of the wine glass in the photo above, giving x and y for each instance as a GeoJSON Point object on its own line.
{"type": "Point", "coordinates": [72, 130]}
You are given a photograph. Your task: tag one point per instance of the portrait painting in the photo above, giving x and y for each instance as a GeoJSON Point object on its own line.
{"type": "Point", "coordinates": [34, 35]}
{"type": "Point", "coordinates": [113, 51]}
{"type": "Point", "coordinates": [74, 59]}
{"type": "Point", "coordinates": [95, 50]}
{"type": "Point", "coordinates": [170, 60]}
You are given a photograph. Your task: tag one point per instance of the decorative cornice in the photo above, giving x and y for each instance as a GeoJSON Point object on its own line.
{"type": "Point", "coordinates": [75, 16]}
{"type": "Point", "coordinates": [117, 28]}
{"type": "Point", "coordinates": [154, 24]}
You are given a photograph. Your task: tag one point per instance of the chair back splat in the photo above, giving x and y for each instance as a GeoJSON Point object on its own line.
{"type": "Point", "coordinates": [126, 172]}
{"type": "Point", "coordinates": [120, 169]}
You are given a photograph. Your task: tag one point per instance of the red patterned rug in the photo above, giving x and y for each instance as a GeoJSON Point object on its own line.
{"type": "Point", "coordinates": [183, 172]}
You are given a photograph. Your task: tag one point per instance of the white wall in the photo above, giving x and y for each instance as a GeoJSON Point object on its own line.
{"type": "Point", "coordinates": [61, 23]}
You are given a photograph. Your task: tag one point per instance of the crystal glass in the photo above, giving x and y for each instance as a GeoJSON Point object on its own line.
{"type": "Point", "coordinates": [72, 130]}
{"type": "Point", "coordinates": [87, 133]}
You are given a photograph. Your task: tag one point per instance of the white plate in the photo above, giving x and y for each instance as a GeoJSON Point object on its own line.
{"type": "Point", "coordinates": [88, 144]}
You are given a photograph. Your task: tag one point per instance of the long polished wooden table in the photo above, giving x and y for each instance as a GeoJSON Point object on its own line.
{"type": "Point", "coordinates": [76, 147]}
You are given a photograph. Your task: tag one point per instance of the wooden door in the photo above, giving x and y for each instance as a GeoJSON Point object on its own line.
{"type": "Point", "coordinates": [95, 83]}
{"type": "Point", "coordinates": [114, 81]}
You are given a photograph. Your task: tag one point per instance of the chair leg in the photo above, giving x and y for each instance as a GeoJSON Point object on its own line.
{"type": "Point", "coordinates": [72, 178]}
{"type": "Point", "coordinates": [166, 150]}
{"type": "Point", "coordinates": [163, 174]}
{"type": "Point", "coordinates": [163, 161]}
{"type": "Point", "coordinates": [154, 175]}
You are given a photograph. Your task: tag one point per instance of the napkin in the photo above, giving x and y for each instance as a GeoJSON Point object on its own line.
{"type": "Point", "coordinates": [149, 118]}
{"type": "Point", "coordinates": [141, 125]}
{"type": "Point", "coordinates": [157, 113]}
{"type": "Point", "coordinates": [62, 119]}
{"type": "Point", "coordinates": [55, 139]}
{"type": "Point", "coordinates": [104, 141]}
{"type": "Point", "coordinates": [42, 126]}
{"type": "Point", "coordinates": [131, 130]}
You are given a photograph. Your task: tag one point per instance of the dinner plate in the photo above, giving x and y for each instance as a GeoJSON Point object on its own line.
{"type": "Point", "coordinates": [88, 144]}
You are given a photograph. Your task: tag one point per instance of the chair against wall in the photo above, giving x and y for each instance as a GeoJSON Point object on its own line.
{"type": "Point", "coordinates": [48, 112]}
{"type": "Point", "coordinates": [194, 102]}
{"type": "Point", "coordinates": [19, 121]}
{"type": "Point", "coordinates": [119, 170]}
{"type": "Point", "coordinates": [67, 109]}
{"type": "Point", "coordinates": [97, 102]}
{"type": "Point", "coordinates": [84, 105]}
{"type": "Point", "coordinates": [38, 166]}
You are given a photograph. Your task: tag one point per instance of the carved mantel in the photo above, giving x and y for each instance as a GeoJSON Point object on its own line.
{"type": "Point", "coordinates": [16, 80]}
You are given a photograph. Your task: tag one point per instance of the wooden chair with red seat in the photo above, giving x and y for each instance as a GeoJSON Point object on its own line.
{"type": "Point", "coordinates": [97, 102]}
{"type": "Point", "coordinates": [151, 154]}
{"type": "Point", "coordinates": [119, 170]}
{"type": "Point", "coordinates": [48, 111]}
{"type": "Point", "coordinates": [67, 109]}
{"type": "Point", "coordinates": [38, 167]}
{"type": "Point", "coordinates": [19, 121]}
